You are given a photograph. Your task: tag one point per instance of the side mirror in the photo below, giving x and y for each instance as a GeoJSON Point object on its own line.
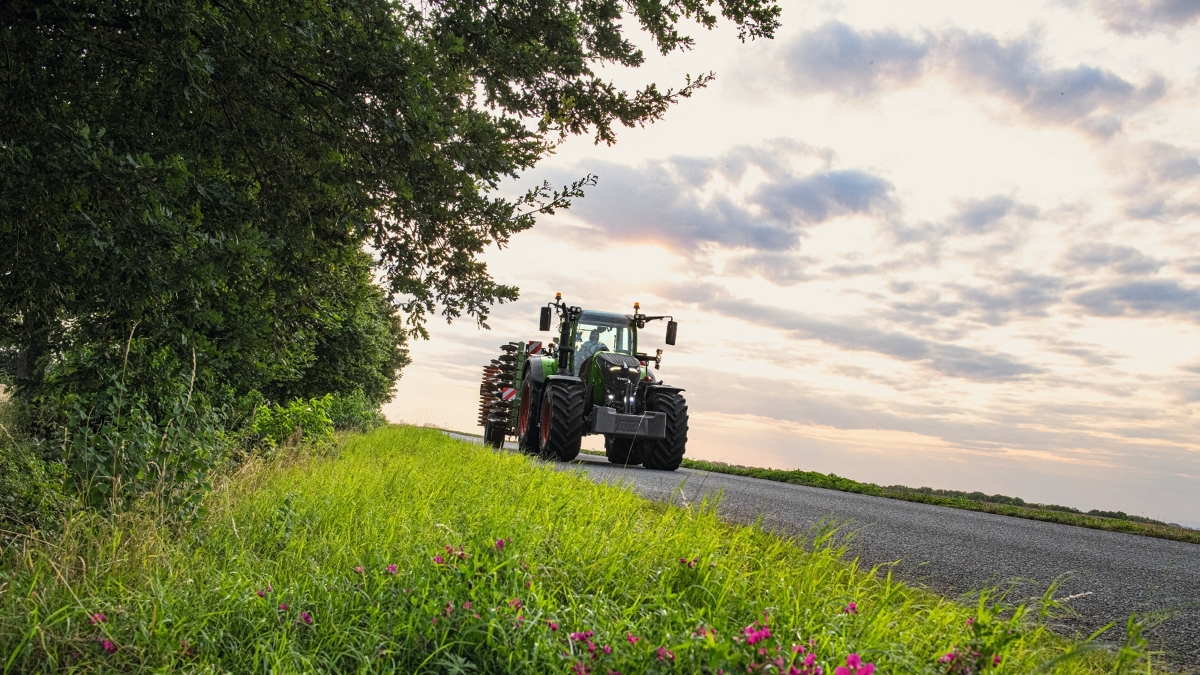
{"type": "Point", "coordinates": [671, 328]}
{"type": "Point", "coordinates": [544, 324]}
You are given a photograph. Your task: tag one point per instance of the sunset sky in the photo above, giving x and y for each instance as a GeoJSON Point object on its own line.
{"type": "Point", "coordinates": [937, 244]}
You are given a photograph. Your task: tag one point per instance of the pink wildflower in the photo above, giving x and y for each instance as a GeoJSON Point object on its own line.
{"type": "Point", "coordinates": [438, 559]}
{"type": "Point", "coordinates": [260, 593]}
{"type": "Point", "coordinates": [633, 639]}
{"type": "Point", "coordinates": [810, 659]}
{"type": "Point", "coordinates": [579, 637]}
{"type": "Point", "coordinates": [109, 646]}
{"type": "Point", "coordinates": [97, 618]}
{"type": "Point", "coordinates": [467, 605]}
{"type": "Point", "coordinates": [520, 618]}
{"type": "Point", "coordinates": [515, 603]}
{"type": "Point", "coordinates": [449, 608]}
{"type": "Point", "coordinates": [283, 607]}
{"type": "Point", "coordinates": [851, 608]}
{"type": "Point", "coordinates": [855, 666]}
{"type": "Point", "coordinates": [665, 654]}
{"type": "Point", "coordinates": [553, 626]}
{"type": "Point", "coordinates": [607, 649]}
{"type": "Point", "coordinates": [580, 668]}
{"type": "Point", "coordinates": [755, 634]}
{"type": "Point", "coordinates": [970, 621]}
{"type": "Point", "coordinates": [305, 618]}
{"type": "Point", "coordinates": [435, 620]}
{"type": "Point", "coordinates": [358, 570]}
{"type": "Point", "coordinates": [948, 658]}
{"type": "Point", "coordinates": [996, 660]}
{"type": "Point", "coordinates": [391, 569]}
{"type": "Point", "coordinates": [499, 544]}
{"type": "Point", "coordinates": [591, 646]}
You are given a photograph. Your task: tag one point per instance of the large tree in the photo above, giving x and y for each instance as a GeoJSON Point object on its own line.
{"type": "Point", "coordinates": [198, 172]}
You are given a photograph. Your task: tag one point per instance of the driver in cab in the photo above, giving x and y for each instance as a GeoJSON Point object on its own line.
{"type": "Point", "coordinates": [587, 349]}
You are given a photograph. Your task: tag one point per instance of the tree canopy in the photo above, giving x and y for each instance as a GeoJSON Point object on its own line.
{"type": "Point", "coordinates": [205, 173]}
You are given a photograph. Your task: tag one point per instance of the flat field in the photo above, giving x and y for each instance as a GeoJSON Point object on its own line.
{"type": "Point", "coordinates": [405, 550]}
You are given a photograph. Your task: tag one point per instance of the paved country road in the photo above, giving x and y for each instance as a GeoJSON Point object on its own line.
{"type": "Point", "coordinates": [954, 551]}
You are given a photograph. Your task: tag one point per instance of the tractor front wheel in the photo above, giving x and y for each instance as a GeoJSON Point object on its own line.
{"type": "Point", "coordinates": [528, 415]}
{"type": "Point", "coordinates": [666, 454]}
{"type": "Point", "coordinates": [561, 426]}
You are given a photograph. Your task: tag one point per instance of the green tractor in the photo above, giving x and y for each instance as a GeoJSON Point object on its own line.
{"type": "Point", "coordinates": [592, 380]}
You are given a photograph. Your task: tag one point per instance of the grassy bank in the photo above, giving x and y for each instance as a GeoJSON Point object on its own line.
{"type": "Point", "coordinates": [975, 501]}
{"type": "Point", "coordinates": [413, 552]}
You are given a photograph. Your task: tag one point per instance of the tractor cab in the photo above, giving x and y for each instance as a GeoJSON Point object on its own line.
{"type": "Point", "coordinates": [602, 332]}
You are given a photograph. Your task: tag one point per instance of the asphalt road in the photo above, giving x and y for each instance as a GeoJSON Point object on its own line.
{"type": "Point", "coordinates": [951, 551]}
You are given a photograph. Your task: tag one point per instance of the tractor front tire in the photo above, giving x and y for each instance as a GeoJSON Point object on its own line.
{"type": "Point", "coordinates": [528, 415]}
{"type": "Point", "coordinates": [560, 428]}
{"type": "Point", "coordinates": [666, 454]}
{"type": "Point", "coordinates": [625, 451]}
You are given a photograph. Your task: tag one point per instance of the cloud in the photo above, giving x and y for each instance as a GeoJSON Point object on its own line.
{"type": "Point", "coordinates": [761, 199]}
{"type": "Point", "coordinates": [860, 65]}
{"type": "Point", "coordinates": [1121, 259]}
{"type": "Point", "coordinates": [1088, 97]}
{"type": "Point", "coordinates": [784, 269]}
{"type": "Point", "coordinates": [1161, 180]}
{"type": "Point", "coordinates": [948, 359]}
{"type": "Point", "coordinates": [1002, 299]}
{"type": "Point", "coordinates": [834, 58]}
{"type": "Point", "coordinates": [1142, 298]}
{"type": "Point", "coordinates": [982, 215]}
{"type": "Point", "coordinates": [1145, 16]}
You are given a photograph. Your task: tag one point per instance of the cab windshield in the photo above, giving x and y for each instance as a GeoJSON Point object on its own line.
{"type": "Point", "coordinates": [599, 332]}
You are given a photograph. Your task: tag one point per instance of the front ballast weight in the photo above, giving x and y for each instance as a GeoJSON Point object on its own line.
{"type": "Point", "coordinates": [590, 380]}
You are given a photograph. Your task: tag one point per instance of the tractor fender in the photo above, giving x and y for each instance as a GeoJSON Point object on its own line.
{"type": "Point", "coordinates": [663, 388]}
{"type": "Point", "coordinates": [536, 365]}
{"type": "Point", "coordinates": [563, 378]}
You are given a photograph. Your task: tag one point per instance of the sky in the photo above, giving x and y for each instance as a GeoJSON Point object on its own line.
{"type": "Point", "coordinates": [939, 244]}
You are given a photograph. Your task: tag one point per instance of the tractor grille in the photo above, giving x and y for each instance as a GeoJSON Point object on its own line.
{"type": "Point", "coordinates": [618, 369]}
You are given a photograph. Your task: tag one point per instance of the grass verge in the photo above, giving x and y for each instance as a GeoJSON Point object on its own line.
{"type": "Point", "coordinates": [974, 501]}
{"type": "Point", "coordinates": [410, 551]}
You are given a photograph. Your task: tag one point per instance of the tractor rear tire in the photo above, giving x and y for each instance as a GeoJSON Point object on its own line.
{"type": "Point", "coordinates": [625, 451]}
{"type": "Point", "coordinates": [561, 425]}
{"type": "Point", "coordinates": [528, 415]}
{"type": "Point", "coordinates": [666, 454]}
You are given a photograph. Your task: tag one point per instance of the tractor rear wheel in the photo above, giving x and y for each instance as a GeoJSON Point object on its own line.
{"type": "Point", "coordinates": [528, 415]}
{"type": "Point", "coordinates": [561, 426]}
{"type": "Point", "coordinates": [625, 451]}
{"type": "Point", "coordinates": [666, 454]}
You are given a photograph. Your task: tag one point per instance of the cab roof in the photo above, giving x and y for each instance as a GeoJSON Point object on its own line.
{"type": "Point", "coordinates": [605, 319]}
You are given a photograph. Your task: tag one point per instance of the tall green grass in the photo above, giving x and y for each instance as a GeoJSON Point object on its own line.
{"type": "Point", "coordinates": [413, 552]}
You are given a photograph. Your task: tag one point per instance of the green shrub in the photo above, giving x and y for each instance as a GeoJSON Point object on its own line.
{"type": "Point", "coordinates": [120, 447]}
{"type": "Point", "coordinates": [32, 490]}
{"type": "Point", "coordinates": [354, 412]}
{"type": "Point", "coordinates": [275, 424]}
